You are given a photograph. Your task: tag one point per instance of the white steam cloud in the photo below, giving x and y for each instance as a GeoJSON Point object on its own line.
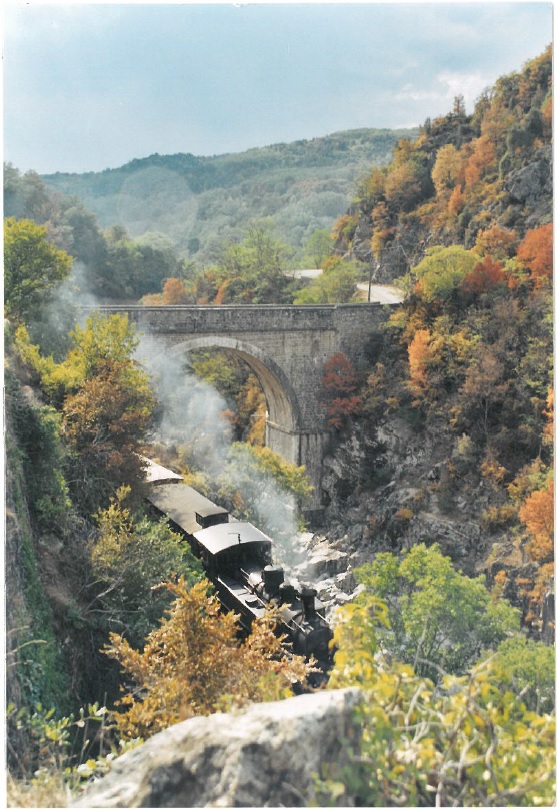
{"type": "Point", "coordinates": [192, 417]}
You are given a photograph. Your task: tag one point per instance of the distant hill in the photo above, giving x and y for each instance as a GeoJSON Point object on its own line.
{"type": "Point", "coordinates": [200, 201]}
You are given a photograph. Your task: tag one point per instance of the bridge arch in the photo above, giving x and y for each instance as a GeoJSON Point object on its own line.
{"type": "Point", "coordinates": [284, 419]}
{"type": "Point", "coordinates": [286, 346]}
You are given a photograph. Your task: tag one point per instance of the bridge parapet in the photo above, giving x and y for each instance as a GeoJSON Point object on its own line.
{"type": "Point", "coordinates": [249, 317]}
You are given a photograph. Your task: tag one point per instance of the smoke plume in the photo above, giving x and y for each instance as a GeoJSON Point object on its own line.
{"type": "Point", "coordinates": [191, 416]}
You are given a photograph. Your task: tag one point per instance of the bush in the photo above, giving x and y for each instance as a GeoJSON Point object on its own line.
{"type": "Point", "coordinates": [130, 557]}
{"type": "Point", "coordinates": [439, 619]}
{"type": "Point", "coordinates": [470, 741]}
{"type": "Point", "coordinates": [194, 664]}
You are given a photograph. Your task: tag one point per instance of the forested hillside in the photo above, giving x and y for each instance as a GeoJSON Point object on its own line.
{"type": "Point", "coordinates": [456, 415]}
{"type": "Point", "coordinates": [199, 202]}
{"type": "Point", "coordinates": [481, 178]}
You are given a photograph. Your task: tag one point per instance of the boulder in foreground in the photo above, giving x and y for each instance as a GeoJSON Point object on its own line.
{"type": "Point", "coordinates": [265, 755]}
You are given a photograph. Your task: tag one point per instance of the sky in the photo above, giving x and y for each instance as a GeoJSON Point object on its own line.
{"type": "Point", "coordinates": [92, 86]}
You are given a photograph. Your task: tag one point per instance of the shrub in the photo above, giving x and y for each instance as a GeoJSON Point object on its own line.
{"type": "Point", "coordinates": [438, 617]}
{"type": "Point", "coordinates": [194, 663]}
{"type": "Point", "coordinates": [470, 741]}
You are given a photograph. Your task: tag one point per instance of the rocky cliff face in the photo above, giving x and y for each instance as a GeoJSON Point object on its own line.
{"type": "Point", "coordinates": [524, 201]}
{"type": "Point", "coordinates": [411, 505]}
{"type": "Point", "coordinates": [425, 490]}
{"type": "Point", "coordinates": [266, 755]}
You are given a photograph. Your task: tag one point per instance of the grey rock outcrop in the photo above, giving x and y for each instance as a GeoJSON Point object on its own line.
{"type": "Point", "coordinates": [528, 184]}
{"type": "Point", "coordinates": [266, 755]}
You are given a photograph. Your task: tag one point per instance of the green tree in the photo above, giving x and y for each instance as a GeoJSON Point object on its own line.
{"type": "Point", "coordinates": [105, 423]}
{"type": "Point", "coordinates": [106, 402]}
{"type": "Point", "coordinates": [469, 741]}
{"type": "Point", "coordinates": [290, 477]}
{"type": "Point", "coordinates": [319, 246]}
{"type": "Point", "coordinates": [87, 242]}
{"type": "Point", "coordinates": [101, 340]}
{"type": "Point", "coordinates": [140, 267]}
{"type": "Point", "coordinates": [253, 271]}
{"type": "Point", "coordinates": [440, 273]}
{"type": "Point", "coordinates": [439, 618]}
{"type": "Point", "coordinates": [33, 268]}
{"type": "Point", "coordinates": [26, 196]}
{"type": "Point", "coordinates": [337, 285]}
{"type": "Point", "coordinates": [129, 557]}
{"type": "Point", "coordinates": [224, 372]}
{"type": "Point", "coordinates": [529, 668]}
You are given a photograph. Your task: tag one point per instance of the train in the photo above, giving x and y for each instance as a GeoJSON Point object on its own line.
{"type": "Point", "coordinates": [238, 560]}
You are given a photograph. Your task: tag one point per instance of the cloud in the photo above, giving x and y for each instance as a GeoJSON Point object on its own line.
{"type": "Point", "coordinates": [215, 78]}
{"type": "Point", "coordinates": [469, 85]}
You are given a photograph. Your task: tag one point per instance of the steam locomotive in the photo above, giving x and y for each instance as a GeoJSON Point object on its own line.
{"type": "Point", "coordinates": [237, 558]}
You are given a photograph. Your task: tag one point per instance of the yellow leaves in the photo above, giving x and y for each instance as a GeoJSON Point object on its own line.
{"type": "Point", "coordinates": [497, 242]}
{"type": "Point", "coordinates": [402, 185]}
{"type": "Point", "coordinates": [470, 740]}
{"type": "Point", "coordinates": [404, 514]}
{"type": "Point", "coordinates": [194, 664]}
{"type": "Point", "coordinates": [549, 413]}
{"type": "Point", "coordinates": [55, 378]}
{"type": "Point", "coordinates": [447, 171]}
{"type": "Point", "coordinates": [492, 470]}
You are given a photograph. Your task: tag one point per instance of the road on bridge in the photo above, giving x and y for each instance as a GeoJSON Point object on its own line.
{"type": "Point", "coordinates": [378, 293]}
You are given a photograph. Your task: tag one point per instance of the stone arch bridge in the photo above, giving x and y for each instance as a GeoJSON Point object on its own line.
{"type": "Point", "coordinates": [286, 347]}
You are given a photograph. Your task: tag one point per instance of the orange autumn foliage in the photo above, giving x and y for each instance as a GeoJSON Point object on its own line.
{"type": "Point", "coordinates": [536, 251]}
{"type": "Point", "coordinates": [419, 355]}
{"type": "Point", "coordinates": [195, 664]}
{"type": "Point", "coordinates": [173, 292]}
{"type": "Point", "coordinates": [537, 515]}
{"type": "Point", "coordinates": [482, 159]}
{"type": "Point", "coordinates": [456, 201]}
{"type": "Point", "coordinates": [486, 275]}
{"type": "Point", "coordinates": [498, 242]}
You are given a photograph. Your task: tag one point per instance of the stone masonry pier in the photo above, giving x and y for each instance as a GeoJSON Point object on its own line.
{"type": "Point", "coordinates": [286, 347]}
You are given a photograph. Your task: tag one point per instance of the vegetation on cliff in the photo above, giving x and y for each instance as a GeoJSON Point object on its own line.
{"type": "Point", "coordinates": [482, 179]}
{"type": "Point", "coordinates": [476, 739]}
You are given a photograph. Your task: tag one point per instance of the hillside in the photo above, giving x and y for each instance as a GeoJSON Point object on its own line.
{"type": "Point", "coordinates": [200, 201]}
{"type": "Point", "coordinates": [489, 172]}
{"type": "Point", "coordinates": [453, 443]}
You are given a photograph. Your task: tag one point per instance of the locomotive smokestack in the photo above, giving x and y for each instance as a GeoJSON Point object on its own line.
{"type": "Point", "coordinates": [287, 593]}
{"type": "Point", "coordinates": [307, 597]}
{"type": "Point", "coordinates": [273, 577]}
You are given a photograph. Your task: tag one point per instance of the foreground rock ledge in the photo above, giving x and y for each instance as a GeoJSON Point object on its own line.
{"type": "Point", "coordinates": [265, 755]}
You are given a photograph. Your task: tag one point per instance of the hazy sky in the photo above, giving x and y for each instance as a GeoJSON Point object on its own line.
{"type": "Point", "coordinates": [90, 86]}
